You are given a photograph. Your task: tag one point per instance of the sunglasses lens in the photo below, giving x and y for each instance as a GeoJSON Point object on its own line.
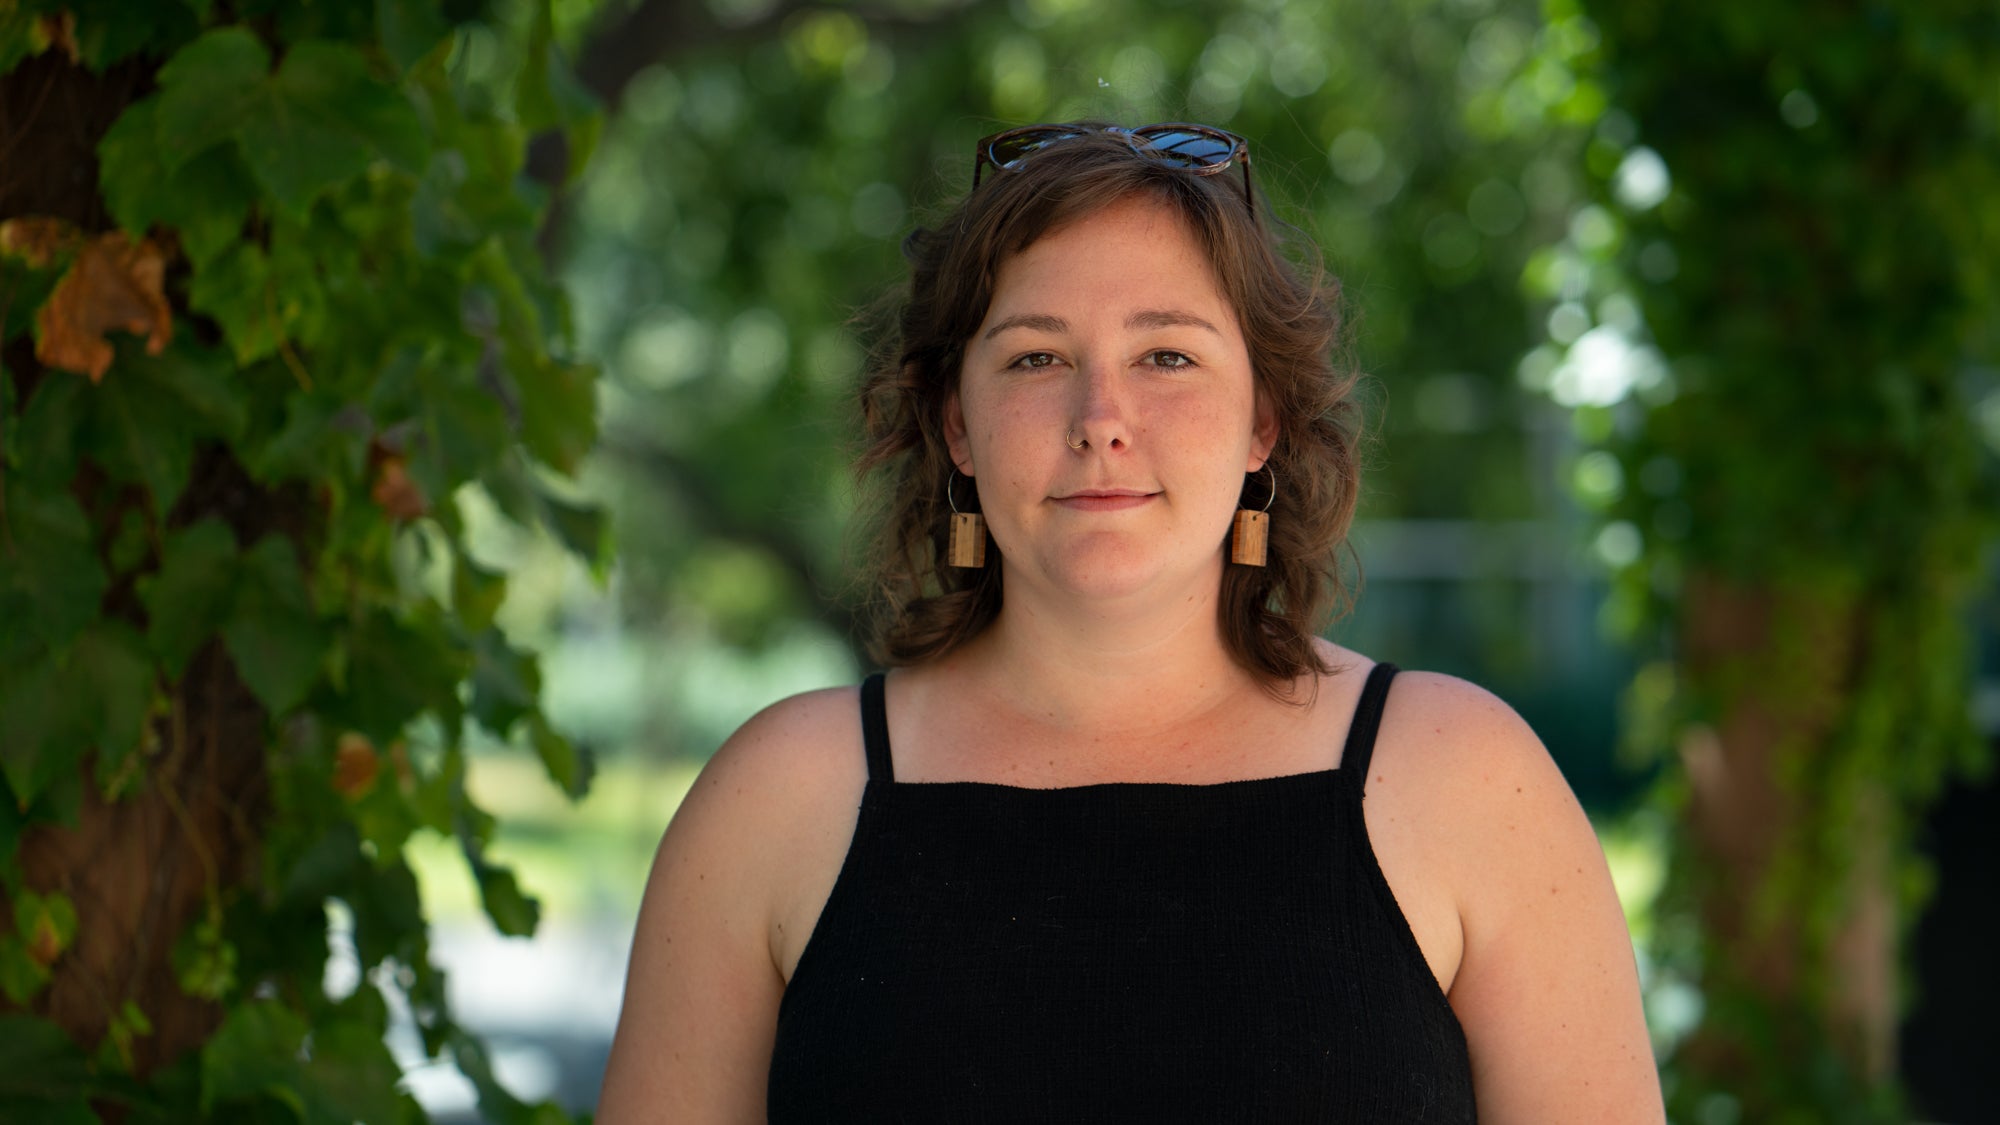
{"type": "Point", "coordinates": [1008, 150]}
{"type": "Point", "coordinates": [1195, 148]}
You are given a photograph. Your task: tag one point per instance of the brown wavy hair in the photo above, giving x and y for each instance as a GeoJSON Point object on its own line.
{"type": "Point", "coordinates": [922, 608]}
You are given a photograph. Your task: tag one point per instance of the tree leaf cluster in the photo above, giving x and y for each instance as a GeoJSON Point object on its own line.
{"type": "Point", "coordinates": [356, 328]}
{"type": "Point", "coordinates": [1819, 280]}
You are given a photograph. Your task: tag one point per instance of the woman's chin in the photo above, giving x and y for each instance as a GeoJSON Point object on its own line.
{"type": "Point", "coordinates": [1110, 573]}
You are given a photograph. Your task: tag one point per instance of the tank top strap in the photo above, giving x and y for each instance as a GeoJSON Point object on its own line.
{"type": "Point", "coordinates": [1367, 720]}
{"type": "Point", "coordinates": [875, 729]}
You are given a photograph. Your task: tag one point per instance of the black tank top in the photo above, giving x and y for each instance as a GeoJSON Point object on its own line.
{"type": "Point", "coordinates": [1118, 952]}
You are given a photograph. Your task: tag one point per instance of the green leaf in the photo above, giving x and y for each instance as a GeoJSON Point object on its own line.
{"type": "Point", "coordinates": [351, 1076]}
{"type": "Point", "coordinates": [331, 82]}
{"type": "Point", "coordinates": [39, 1064]}
{"type": "Point", "coordinates": [110, 669]}
{"type": "Point", "coordinates": [461, 424]}
{"type": "Point", "coordinates": [50, 579]}
{"type": "Point", "coordinates": [107, 33]}
{"type": "Point", "coordinates": [28, 289]}
{"type": "Point", "coordinates": [514, 913]}
{"type": "Point", "coordinates": [271, 632]}
{"type": "Point", "coordinates": [44, 734]}
{"type": "Point", "coordinates": [206, 198]}
{"type": "Point", "coordinates": [549, 96]}
{"type": "Point", "coordinates": [569, 765]}
{"type": "Point", "coordinates": [22, 978]}
{"type": "Point", "coordinates": [580, 528]}
{"type": "Point", "coordinates": [47, 921]}
{"type": "Point", "coordinates": [256, 1051]}
{"type": "Point", "coordinates": [397, 671]}
{"type": "Point", "coordinates": [204, 961]}
{"type": "Point", "coordinates": [410, 29]}
{"type": "Point", "coordinates": [558, 408]}
{"type": "Point", "coordinates": [388, 912]}
{"type": "Point", "coordinates": [322, 120]}
{"type": "Point", "coordinates": [134, 443]}
{"type": "Point", "coordinates": [147, 415]}
{"type": "Point", "coordinates": [199, 383]}
{"type": "Point", "coordinates": [208, 91]}
{"type": "Point", "coordinates": [61, 704]}
{"type": "Point", "coordinates": [505, 683]}
{"type": "Point", "coordinates": [50, 425]}
{"type": "Point", "coordinates": [236, 288]}
{"type": "Point", "coordinates": [186, 599]}
{"type": "Point", "coordinates": [323, 436]}
{"type": "Point", "coordinates": [476, 593]}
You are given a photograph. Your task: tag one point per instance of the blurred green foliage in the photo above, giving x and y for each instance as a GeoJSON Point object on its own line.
{"type": "Point", "coordinates": [1785, 316]}
{"type": "Point", "coordinates": [730, 248]}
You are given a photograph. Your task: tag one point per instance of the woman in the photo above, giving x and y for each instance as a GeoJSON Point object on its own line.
{"type": "Point", "coordinates": [1098, 848]}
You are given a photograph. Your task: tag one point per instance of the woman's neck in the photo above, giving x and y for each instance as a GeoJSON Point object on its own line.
{"type": "Point", "coordinates": [1107, 669]}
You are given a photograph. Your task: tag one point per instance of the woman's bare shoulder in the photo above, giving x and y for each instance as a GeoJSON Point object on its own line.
{"type": "Point", "coordinates": [694, 1037]}
{"type": "Point", "coordinates": [797, 744]}
{"type": "Point", "coordinates": [1458, 763]}
{"type": "Point", "coordinates": [1453, 731]}
{"type": "Point", "coordinates": [1545, 987]}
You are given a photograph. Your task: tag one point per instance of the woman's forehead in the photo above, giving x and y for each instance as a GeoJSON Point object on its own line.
{"type": "Point", "coordinates": [1137, 252]}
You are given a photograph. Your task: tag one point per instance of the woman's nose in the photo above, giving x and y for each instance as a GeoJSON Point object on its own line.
{"type": "Point", "coordinates": [1100, 422]}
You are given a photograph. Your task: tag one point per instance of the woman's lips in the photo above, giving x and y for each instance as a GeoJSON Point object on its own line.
{"type": "Point", "coordinates": [1105, 500]}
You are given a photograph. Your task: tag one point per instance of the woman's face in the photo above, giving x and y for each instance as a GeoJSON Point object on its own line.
{"type": "Point", "coordinates": [1111, 332]}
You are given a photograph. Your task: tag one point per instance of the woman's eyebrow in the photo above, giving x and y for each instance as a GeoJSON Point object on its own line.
{"type": "Point", "coordinates": [1144, 318]}
{"type": "Point", "coordinates": [1167, 318]}
{"type": "Point", "coordinates": [1040, 322]}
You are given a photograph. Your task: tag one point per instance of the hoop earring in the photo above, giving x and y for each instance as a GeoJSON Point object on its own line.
{"type": "Point", "coordinates": [968, 532]}
{"type": "Point", "coordinates": [1251, 533]}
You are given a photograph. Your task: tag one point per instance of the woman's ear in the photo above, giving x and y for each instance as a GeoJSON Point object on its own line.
{"type": "Point", "coordinates": [954, 435]}
{"type": "Point", "coordinates": [1263, 432]}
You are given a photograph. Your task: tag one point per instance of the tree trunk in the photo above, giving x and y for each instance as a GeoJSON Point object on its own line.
{"type": "Point", "coordinates": [1779, 663]}
{"type": "Point", "coordinates": [144, 866]}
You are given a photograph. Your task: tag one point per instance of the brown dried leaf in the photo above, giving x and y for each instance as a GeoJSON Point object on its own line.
{"type": "Point", "coordinates": [37, 239]}
{"type": "Point", "coordinates": [398, 495]}
{"type": "Point", "coordinates": [355, 765]}
{"type": "Point", "coordinates": [112, 284]}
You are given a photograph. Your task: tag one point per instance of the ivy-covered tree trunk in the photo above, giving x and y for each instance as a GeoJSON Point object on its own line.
{"type": "Point", "coordinates": [137, 871]}
{"type": "Point", "coordinates": [1808, 485]}
{"type": "Point", "coordinates": [269, 299]}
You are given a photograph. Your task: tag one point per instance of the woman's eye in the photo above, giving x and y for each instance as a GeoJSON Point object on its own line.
{"type": "Point", "coordinates": [1035, 359]}
{"type": "Point", "coordinates": [1169, 359]}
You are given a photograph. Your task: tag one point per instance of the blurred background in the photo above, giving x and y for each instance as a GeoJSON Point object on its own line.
{"type": "Point", "coordinates": [1529, 220]}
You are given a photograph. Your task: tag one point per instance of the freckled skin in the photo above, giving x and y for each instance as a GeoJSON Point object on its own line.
{"type": "Point", "coordinates": [1114, 330]}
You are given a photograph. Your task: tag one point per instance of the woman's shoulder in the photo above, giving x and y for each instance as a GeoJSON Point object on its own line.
{"type": "Point", "coordinates": [1436, 723]}
{"type": "Point", "coordinates": [795, 747]}
{"type": "Point", "coordinates": [1462, 795]}
{"type": "Point", "coordinates": [1461, 772]}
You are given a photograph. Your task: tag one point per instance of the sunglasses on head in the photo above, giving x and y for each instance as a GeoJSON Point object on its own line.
{"type": "Point", "coordinates": [1199, 150]}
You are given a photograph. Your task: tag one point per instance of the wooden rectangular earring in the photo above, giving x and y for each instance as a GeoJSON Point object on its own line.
{"type": "Point", "coordinates": [1250, 536]}
{"type": "Point", "coordinates": [967, 547]}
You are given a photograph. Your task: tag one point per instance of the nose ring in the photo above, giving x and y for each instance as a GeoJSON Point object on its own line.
{"type": "Point", "coordinates": [1079, 443]}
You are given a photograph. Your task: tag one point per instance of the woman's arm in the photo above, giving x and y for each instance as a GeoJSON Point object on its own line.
{"type": "Point", "coordinates": [701, 996]}
{"type": "Point", "coordinates": [1546, 987]}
